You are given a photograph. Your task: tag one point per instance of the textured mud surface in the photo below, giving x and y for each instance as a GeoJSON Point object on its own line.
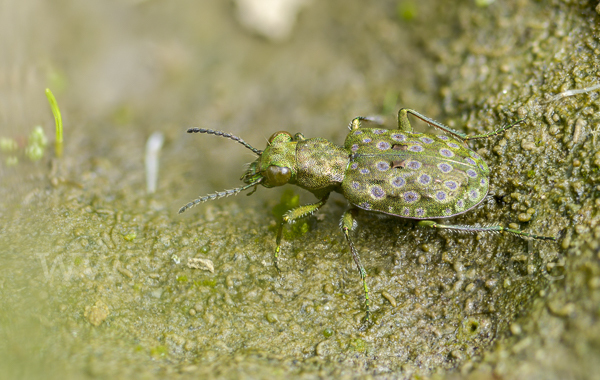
{"type": "Point", "coordinates": [95, 281]}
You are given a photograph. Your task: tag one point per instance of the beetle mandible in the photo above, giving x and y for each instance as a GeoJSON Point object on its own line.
{"type": "Point", "coordinates": [395, 172]}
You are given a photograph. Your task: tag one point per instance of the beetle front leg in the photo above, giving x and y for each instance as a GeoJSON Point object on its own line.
{"type": "Point", "coordinates": [291, 216]}
{"type": "Point", "coordinates": [348, 224]}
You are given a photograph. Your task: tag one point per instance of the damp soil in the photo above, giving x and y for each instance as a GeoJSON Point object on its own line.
{"type": "Point", "coordinates": [95, 278]}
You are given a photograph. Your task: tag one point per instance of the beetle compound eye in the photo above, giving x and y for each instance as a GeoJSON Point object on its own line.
{"type": "Point", "coordinates": [277, 175]}
{"type": "Point", "coordinates": [280, 136]}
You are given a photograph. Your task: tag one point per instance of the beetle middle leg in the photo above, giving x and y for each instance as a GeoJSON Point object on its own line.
{"type": "Point", "coordinates": [291, 216]}
{"type": "Point", "coordinates": [348, 224]}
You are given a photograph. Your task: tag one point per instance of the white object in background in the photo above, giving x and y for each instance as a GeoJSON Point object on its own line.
{"type": "Point", "coordinates": [273, 19]}
{"type": "Point", "coordinates": [153, 146]}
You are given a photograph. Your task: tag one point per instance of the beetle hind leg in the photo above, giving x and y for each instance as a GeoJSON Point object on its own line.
{"type": "Point", "coordinates": [492, 229]}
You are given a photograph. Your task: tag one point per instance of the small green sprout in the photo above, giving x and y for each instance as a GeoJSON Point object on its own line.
{"type": "Point", "coordinates": [58, 122]}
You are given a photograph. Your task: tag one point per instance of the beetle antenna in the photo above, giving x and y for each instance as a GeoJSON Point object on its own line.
{"type": "Point", "coordinates": [219, 194]}
{"type": "Point", "coordinates": [258, 152]}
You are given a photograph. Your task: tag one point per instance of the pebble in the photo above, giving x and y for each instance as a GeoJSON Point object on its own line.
{"type": "Point", "coordinates": [562, 310]}
{"type": "Point", "coordinates": [527, 145]}
{"type": "Point", "coordinates": [96, 314]}
{"type": "Point", "coordinates": [594, 283]}
{"type": "Point", "coordinates": [515, 329]}
{"type": "Point", "coordinates": [491, 283]}
{"type": "Point", "coordinates": [580, 125]}
{"type": "Point", "coordinates": [389, 298]}
{"type": "Point", "coordinates": [458, 266]}
{"type": "Point", "coordinates": [581, 229]}
{"type": "Point", "coordinates": [456, 354]}
{"type": "Point", "coordinates": [328, 289]}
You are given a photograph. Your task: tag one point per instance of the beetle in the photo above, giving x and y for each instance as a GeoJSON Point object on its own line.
{"type": "Point", "coordinates": [396, 172]}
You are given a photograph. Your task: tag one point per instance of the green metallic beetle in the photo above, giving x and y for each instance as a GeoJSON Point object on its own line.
{"type": "Point", "coordinates": [396, 172]}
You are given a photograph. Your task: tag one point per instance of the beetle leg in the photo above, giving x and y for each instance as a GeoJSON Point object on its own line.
{"type": "Point", "coordinates": [404, 123]}
{"type": "Point", "coordinates": [524, 235]}
{"type": "Point", "coordinates": [299, 137]}
{"type": "Point", "coordinates": [493, 133]}
{"type": "Point", "coordinates": [347, 224]}
{"type": "Point", "coordinates": [291, 216]}
{"type": "Point", "coordinates": [355, 123]}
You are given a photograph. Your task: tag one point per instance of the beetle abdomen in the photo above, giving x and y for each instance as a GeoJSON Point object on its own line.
{"type": "Point", "coordinates": [412, 175]}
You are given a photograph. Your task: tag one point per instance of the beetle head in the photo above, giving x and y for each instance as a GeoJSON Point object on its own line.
{"type": "Point", "coordinates": [273, 167]}
{"type": "Point", "coordinates": [276, 163]}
